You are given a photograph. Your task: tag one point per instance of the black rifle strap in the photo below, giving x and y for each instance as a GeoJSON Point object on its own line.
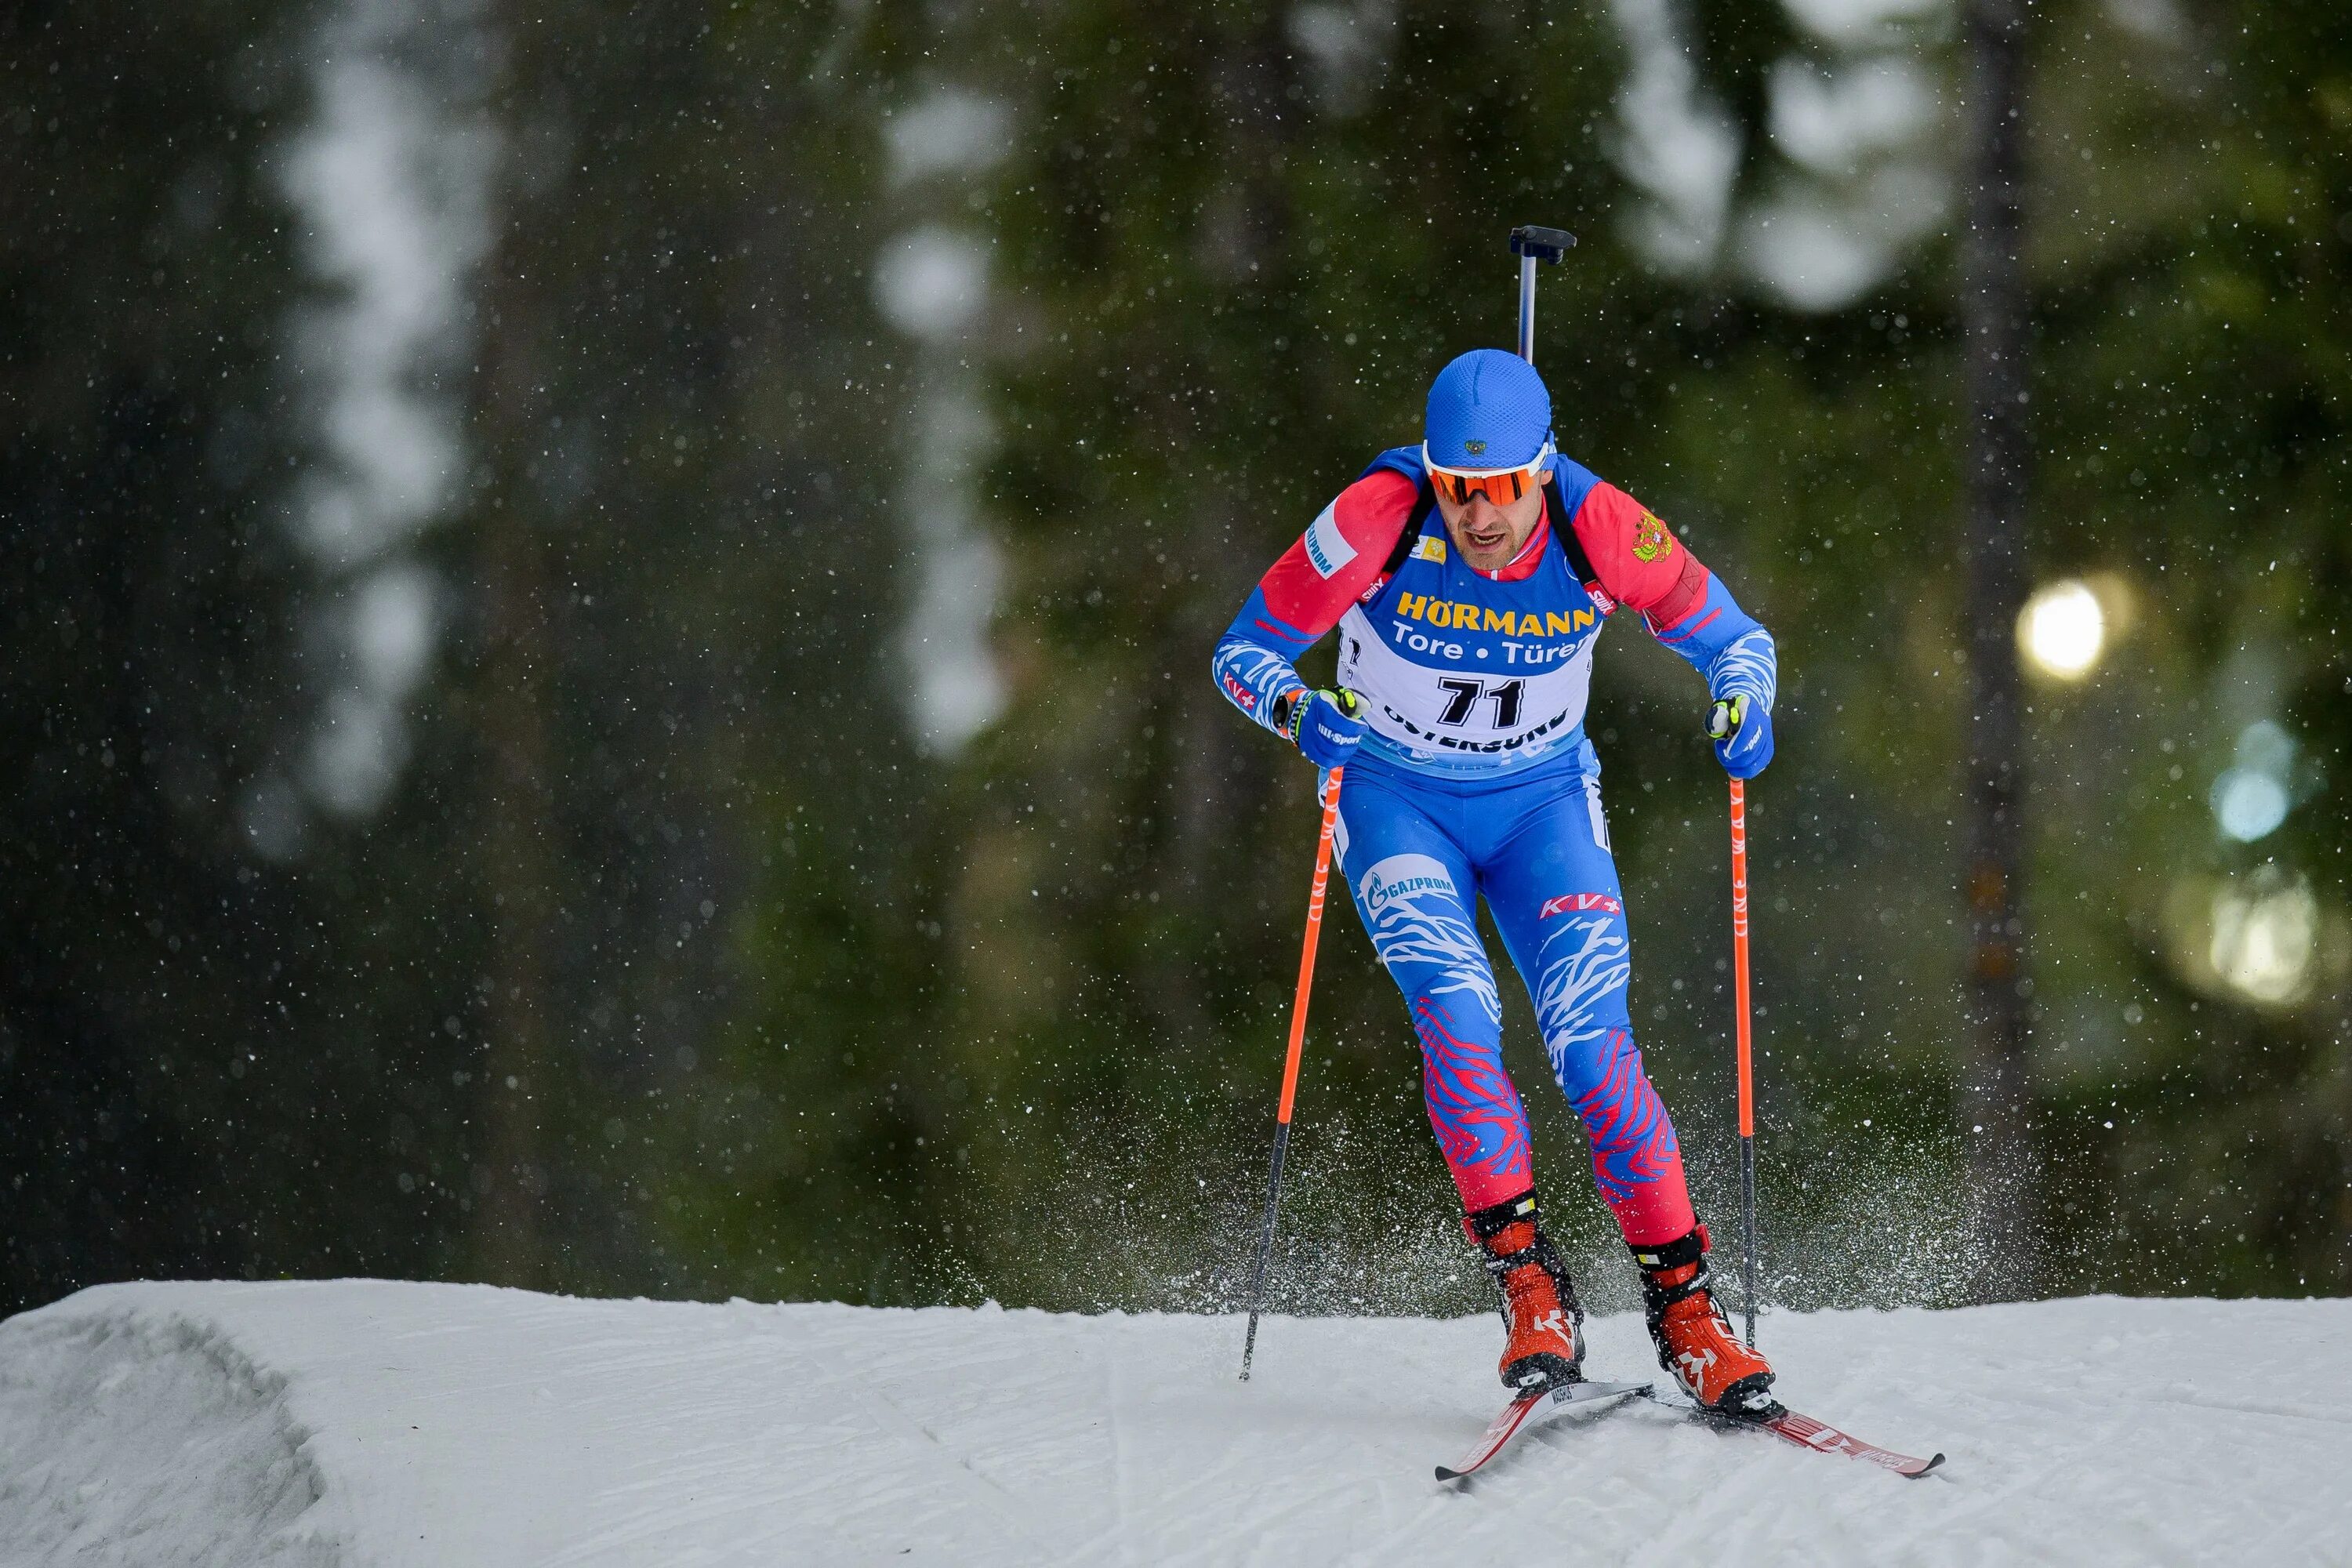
{"type": "Point", "coordinates": [1409, 535]}
{"type": "Point", "coordinates": [1578, 562]}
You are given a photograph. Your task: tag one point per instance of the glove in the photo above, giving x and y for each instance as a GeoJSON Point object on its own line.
{"type": "Point", "coordinates": [1742, 730]}
{"type": "Point", "coordinates": [1327, 725]}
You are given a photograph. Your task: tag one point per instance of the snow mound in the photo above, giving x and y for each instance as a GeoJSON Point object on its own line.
{"type": "Point", "coordinates": [363, 1422]}
{"type": "Point", "coordinates": [131, 1437]}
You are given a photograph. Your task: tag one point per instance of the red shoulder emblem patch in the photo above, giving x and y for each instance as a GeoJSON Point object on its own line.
{"type": "Point", "coordinates": [1651, 539]}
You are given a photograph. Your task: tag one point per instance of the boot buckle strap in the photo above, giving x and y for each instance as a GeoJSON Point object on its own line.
{"type": "Point", "coordinates": [1661, 1297]}
{"type": "Point", "coordinates": [1498, 1267]}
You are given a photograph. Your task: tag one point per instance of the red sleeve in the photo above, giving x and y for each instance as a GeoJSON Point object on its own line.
{"type": "Point", "coordinates": [1637, 558]}
{"type": "Point", "coordinates": [1339, 558]}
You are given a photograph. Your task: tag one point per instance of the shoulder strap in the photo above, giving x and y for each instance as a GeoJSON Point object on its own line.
{"type": "Point", "coordinates": [1578, 562]}
{"type": "Point", "coordinates": [1408, 536]}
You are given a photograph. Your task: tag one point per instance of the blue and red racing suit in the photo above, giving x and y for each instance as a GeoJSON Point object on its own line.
{"type": "Point", "coordinates": [1475, 777]}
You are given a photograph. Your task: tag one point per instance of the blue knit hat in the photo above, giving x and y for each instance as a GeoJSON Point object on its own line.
{"type": "Point", "coordinates": [1488, 410]}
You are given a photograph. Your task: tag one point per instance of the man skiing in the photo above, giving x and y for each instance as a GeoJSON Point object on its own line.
{"type": "Point", "coordinates": [1468, 579]}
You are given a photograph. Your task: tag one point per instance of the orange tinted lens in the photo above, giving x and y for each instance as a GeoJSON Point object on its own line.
{"type": "Point", "coordinates": [1501, 489]}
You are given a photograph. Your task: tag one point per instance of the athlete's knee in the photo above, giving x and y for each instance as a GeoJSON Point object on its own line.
{"type": "Point", "coordinates": [1611, 1093]}
{"type": "Point", "coordinates": [1632, 1135]}
{"type": "Point", "coordinates": [1584, 967]}
{"type": "Point", "coordinates": [1453, 1038]}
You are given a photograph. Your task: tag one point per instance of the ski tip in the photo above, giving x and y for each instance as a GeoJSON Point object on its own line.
{"type": "Point", "coordinates": [1928, 1468]}
{"type": "Point", "coordinates": [1446, 1475]}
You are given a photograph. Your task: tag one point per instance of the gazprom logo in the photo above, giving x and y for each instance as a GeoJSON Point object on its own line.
{"type": "Point", "coordinates": [1402, 876]}
{"type": "Point", "coordinates": [1328, 548]}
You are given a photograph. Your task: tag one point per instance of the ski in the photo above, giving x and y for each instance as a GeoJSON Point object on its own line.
{"type": "Point", "coordinates": [1818, 1437]}
{"type": "Point", "coordinates": [1823, 1438]}
{"type": "Point", "coordinates": [1529, 1411]}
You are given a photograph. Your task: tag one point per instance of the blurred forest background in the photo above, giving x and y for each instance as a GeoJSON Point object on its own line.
{"type": "Point", "coordinates": [608, 605]}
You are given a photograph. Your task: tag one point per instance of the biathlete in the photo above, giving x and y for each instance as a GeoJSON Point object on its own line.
{"type": "Point", "coordinates": [1468, 579]}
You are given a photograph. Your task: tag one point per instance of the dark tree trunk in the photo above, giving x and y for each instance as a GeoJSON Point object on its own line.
{"type": "Point", "coordinates": [520, 862]}
{"type": "Point", "coordinates": [522, 854]}
{"type": "Point", "coordinates": [1996, 1105]}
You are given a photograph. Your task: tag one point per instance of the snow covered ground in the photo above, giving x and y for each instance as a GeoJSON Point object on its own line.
{"type": "Point", "coordinates": [367, 1422]}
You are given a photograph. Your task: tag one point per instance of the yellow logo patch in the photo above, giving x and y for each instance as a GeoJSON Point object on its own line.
{"type": "Point", "coordinates": [1429, 548]}
{"type": "Point", "coordinates": [1650, 538]}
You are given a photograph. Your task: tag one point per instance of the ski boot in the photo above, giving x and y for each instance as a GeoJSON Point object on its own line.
{"type": "Point", "coordinates": [1540, 1312]}
{"type": "Point", "coordinates": [1694, 1338]}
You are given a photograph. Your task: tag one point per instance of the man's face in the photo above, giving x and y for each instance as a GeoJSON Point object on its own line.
{"type": "Point", "coordinates": [1486, 536]}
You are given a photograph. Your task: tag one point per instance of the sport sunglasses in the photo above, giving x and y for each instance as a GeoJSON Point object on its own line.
{"type": "Point", "coordinates": [1501, 486]}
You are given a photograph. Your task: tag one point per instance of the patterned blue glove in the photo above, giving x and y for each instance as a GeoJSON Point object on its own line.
{"type": "Point", "coordinates": [1327, 725]}
{"type": "Point", "coordinates": [1742, 730]}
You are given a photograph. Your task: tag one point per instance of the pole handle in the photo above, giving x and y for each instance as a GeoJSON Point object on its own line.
{"type": "Point", "coordinates": [1548, 244]}
{"type": "Point", "coordinates": [1531, 245]}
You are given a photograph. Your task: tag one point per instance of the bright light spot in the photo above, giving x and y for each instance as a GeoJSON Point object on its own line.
{"type": "Point", "coordinates": [1832, 121]}
{"type": "Point", "coordinates": [1343, 46]}
{"type": "Point", "coordinates": [2262, 938]}
{"type": "Point", "coordinates": [2251, 799]}
{"type": "Point", "coordinates": [2263, 942]}
{"type": "Point", "coordinates": [948, 131]}
{"type": "Point", "coordinates": [392, 628]}
{"type": "Point", "coordinates": [2266, 745]}
{"type": "Point", "coordinates": [2063, 630]}
{"type": "Point", "coordinates": [1854, 23]}
{"type": "Point", "coordinates": [356, 753]}
{"type": "Point", "coordinates": [931, 283]}
{"type": "Point", "coordinates": [2248, 803]}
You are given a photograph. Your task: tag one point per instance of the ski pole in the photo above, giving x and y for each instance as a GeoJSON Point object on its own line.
{"type": "Point", "coordinates": [1746, 1070]}
{"type": "Point", "coordinates": [1531, 244]}
{"type": "Point", "coordinates": [1290, 1062]}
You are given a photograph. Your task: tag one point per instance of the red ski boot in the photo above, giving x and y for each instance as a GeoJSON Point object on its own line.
{"type": "Point", "coordinates": [1540, 1313]}
{"type": "Point", "coordinates": [1694, 1338]}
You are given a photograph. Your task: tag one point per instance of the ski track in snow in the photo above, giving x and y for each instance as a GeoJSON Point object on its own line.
{"type": "Point", "coordinates": [315, 1424]}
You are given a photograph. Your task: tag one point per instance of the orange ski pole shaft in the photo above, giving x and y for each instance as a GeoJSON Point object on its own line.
{"type": "Point", "coordinates": [1747, 1065]}
{"type": "Point", "coordinates": [1290, 1061]}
